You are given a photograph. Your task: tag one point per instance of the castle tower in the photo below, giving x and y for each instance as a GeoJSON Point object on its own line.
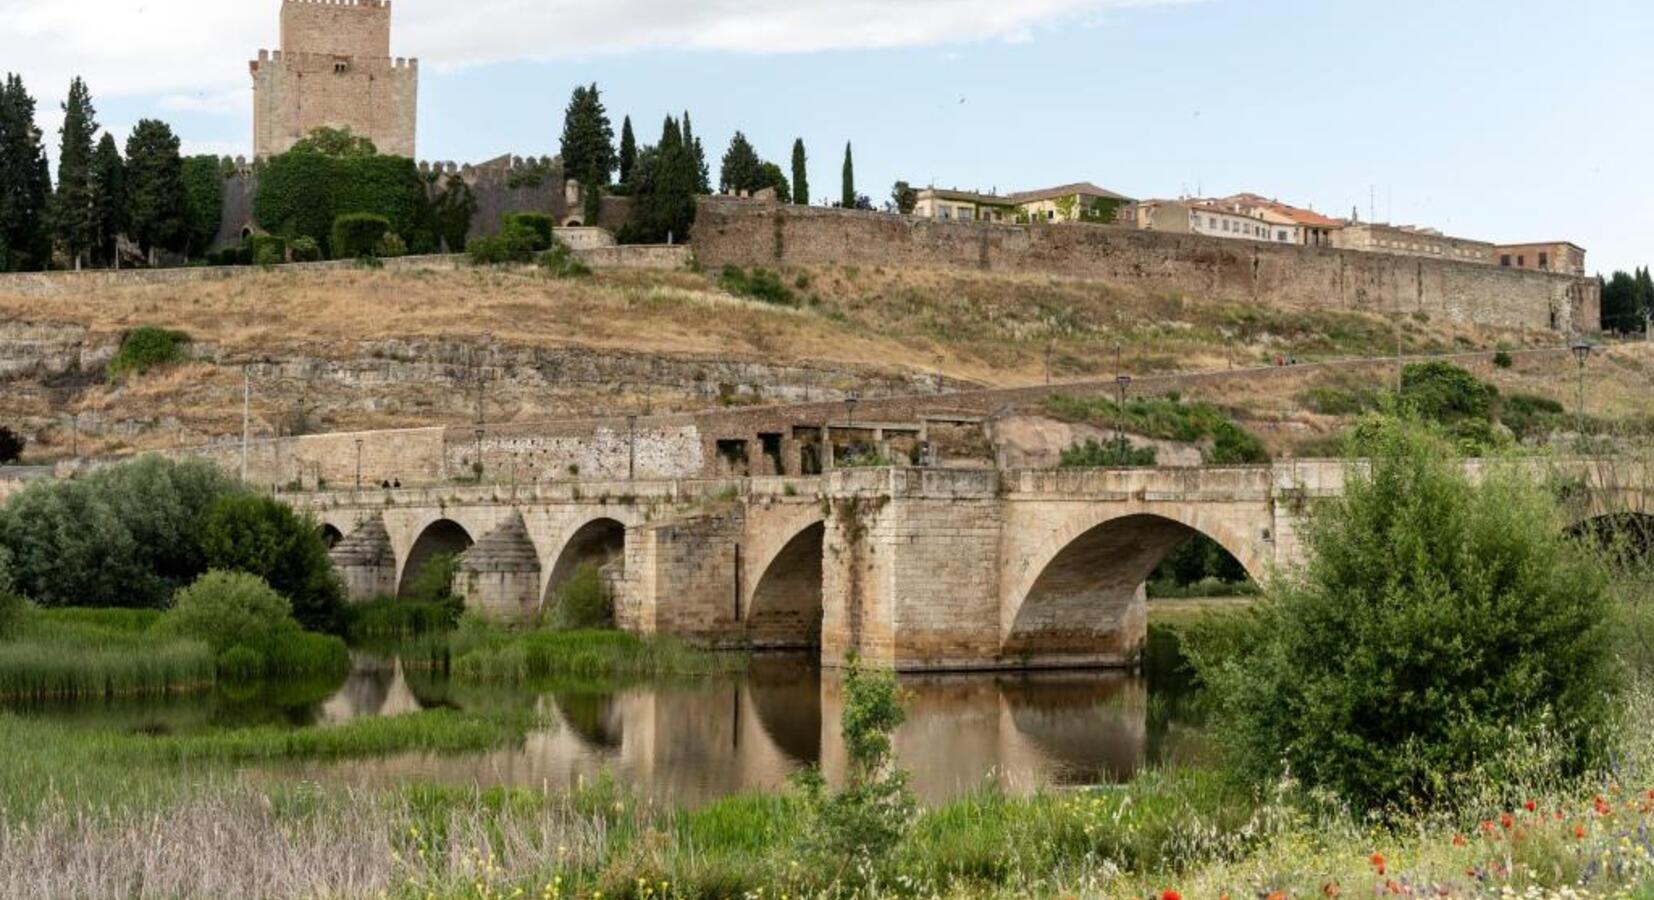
{"type": "Point", "coordinates": [334, 69]}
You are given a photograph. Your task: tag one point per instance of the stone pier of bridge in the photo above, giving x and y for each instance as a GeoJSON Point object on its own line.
{"type": "Point", "coordinates": [918, 569]}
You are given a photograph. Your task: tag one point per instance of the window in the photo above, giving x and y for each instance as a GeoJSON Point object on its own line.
{"type": "Point", "coordinates": [1521, 262]}
{"type": "Point", "coordinates": [1225, 224]}
{"type": "Point", "coordinates": [1545, 261]}
{"type": "Point", "coordinates": [966, 214]}
{"type": "Point", "coordinates": [340, 67]}
{"type": "Point", "coordinates": [1212, 222]}
{"type": "Point", "coordinates": [1050, 215]}
{"type": "Point", "coordinates": [1281, 236]}
{"type": "Point", "coordinates": [1505, 260]}
{"type": "Point", "coordinates": [945, 212]}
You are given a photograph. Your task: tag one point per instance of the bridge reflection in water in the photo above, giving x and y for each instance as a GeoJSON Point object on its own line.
{"type": "Point", "coordinates": [693, 742]}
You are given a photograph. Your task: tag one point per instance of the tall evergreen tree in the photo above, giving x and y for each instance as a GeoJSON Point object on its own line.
{"type": "Point", "coordinates": [849, 191]}
{"type": "Point", "coordinates": [703, 175]}
{"type": "Point", "coordinates": [801, 174]}
{"type": "Point", "coordinates": [664, 187]}
{"type": "Point", "coordinates": [1644, 297]}
{"type": "Point", "coordinates": [73, 220]}
{"type": "Point", "coordinates": [155, 184]}
{"type": "Point", "coordinates": [109, 199]}
{"type": "Point", "coordinates": [742, 170]}
{"type": "Point", "coordinates": [25, 183]}
{"type": "Point", "coordinates": [628, 151]}
{"type": "Point", "coordinates": [588, 138]}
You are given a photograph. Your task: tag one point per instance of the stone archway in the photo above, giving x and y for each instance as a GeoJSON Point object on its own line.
{"type": "Point", "coordinates": [785, 611]}
{"type": "Point", "coordinates": [331, 536]}
{"type": "Point", "coordinates": [599, 541]}
{"type": "Point", "coordinates": [1085, 604]}
{"type": "Point", "coordinates": [439, 537]}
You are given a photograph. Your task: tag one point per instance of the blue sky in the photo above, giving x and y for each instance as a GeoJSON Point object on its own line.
{"type": "Point", "coordinates": [1506, 121]}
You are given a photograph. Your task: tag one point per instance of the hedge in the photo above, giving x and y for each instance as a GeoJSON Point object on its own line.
{"type": "Point", "coordinates": [359, 234]}
{"type": "Point", "coordinates": [302, 193]}
{"type": "Point", "coordinates": [541, 224]}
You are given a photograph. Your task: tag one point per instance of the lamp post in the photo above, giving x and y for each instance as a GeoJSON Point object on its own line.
{"type": "Point", "coordinates": [358, 465]}
{"type": "Point", "coordinates": [631, 448]}
{"type": "Point", "coordinates": [478, 464]}
{"type": "Point", "coordinates": [1582, 353]}
{"type": "Point", "coordinates": [246, 416]}
{"type": "Point", "coordinates": [1123, 382]}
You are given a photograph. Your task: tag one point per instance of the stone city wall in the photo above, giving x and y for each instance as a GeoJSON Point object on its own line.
{"type": "Point", "coordinates": [745, 232]}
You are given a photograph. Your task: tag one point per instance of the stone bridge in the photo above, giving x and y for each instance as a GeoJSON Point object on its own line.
{"type": "Point", "coordinates": [915, 568]}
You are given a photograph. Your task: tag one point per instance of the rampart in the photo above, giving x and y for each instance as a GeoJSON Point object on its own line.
{"type": "Point", "coordinates": [746, 232]}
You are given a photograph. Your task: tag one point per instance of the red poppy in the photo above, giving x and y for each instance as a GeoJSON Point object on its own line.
{"type": "Point", "coordinates": [1530, 806]}
{"type": "Point", "coordinates": [1506, 820]}
{"type": "Point", "coordinates": [1487, 824]}
{"type": "Point", "coordinates": [1579, 832]}
{"type": "Point", "coordinates": [1377, 859]}
{"type": "Point", "coordinates": [1170, 895]}
{"type": "Point", "coordinates": [1458, 840]}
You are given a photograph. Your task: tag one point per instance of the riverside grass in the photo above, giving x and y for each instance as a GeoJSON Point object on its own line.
{"type": "Point", "coordinates": [480, 653]}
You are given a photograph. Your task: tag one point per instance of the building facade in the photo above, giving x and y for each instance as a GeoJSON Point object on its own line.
{"type": "Point", "coordinates": [1561, 257]}
{"type": "Point", "coordinates": [954, 205]}
{"type": "Point", "coordinates": [334, 69]}
{"type": "Point", "coordinates": [1211, 220]}
{"type": "Point", "coordinates": [1313, 229]}
{"type": "Point", "coordinates": [1407, 240]}
{"type": "Point", "coordinates": [1083, 202]}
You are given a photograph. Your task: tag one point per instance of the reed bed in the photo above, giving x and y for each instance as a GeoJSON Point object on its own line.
{"type": "Point", "coordinates": [91, 654]}
{"type": "Point", "coordinates": [502, 656]}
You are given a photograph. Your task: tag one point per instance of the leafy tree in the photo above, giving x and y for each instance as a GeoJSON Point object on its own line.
{"type": "Point", "coordinates": [155, 186]}
{"type": "Point", "coordinates": [452, 213]}
{"type": "Point", "coordinates": [628, 152]}
{"type": "Point", "coordinates": [663, 204]}
{"type": "Point", "coordinates": [771, 176]}
{"type": "Point", "coordinates": [127, 535]}
{"type": "Point", "coordinates": [516, 242]}
{"type": "Point", "coordinates": [801, 174]}
{"type": "Point", "coordinates": [73, 217]}
{"type": "Point", "coordinates": [583, 602]}
{"type": "Point", "coordinates": [338, 143]}
{"type": "Point", "coordinates": [11, 446]}
{"type": "Point", "coordinates": [25, 183]}
{"type": "Point", "coordinates": [588, 138]}
{"type": "Point", "coordinates": [742, 170]}
{"type": "Point", "coordinates": [229, 609]}
{"type": "Point", "coordinates": [848, 195]}
{"type": "Point", "coordinates": [691, 142]}
{"type": "Point", "coordinates": [303, 192]}
{"type": "Point", "coordinates": [109, 197]}
{"type": "Point", "coordinates": [260, 536]}
{"type": "Point", "coordinates": [1443, 392]}
{"type": "Point", "coordinates": [904, 198]}
{"type": "Point", "coordinates": [1621, 303]}
{"type": "Point", "coordinates": [1440, 630]}
{"type": "Point", "coordinates": [203, 178]}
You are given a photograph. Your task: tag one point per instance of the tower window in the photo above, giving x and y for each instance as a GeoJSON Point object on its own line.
{"type": "Point", "coordinates": [340, 67]}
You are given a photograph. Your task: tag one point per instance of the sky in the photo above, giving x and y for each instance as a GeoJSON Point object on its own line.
{"type": "Point", "coordinates": [1504, 120]}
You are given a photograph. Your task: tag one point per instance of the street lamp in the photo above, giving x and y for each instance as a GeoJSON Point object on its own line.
{"type": "Point", "coordinates": [358, 465]}
{"type": "Point", "coordinates": [1123, 382]}
{"type": "Point", "coordinates": [1582, 353]}
{"type": "Point", "coordinates": [631, 448]}
{"type": "Point", "coordinates": [477, 466]}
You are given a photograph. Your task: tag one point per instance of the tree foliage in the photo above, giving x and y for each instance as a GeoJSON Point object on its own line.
{"type": "Point", "coordinates": [904, 198]}
{"type": "Point", "coordinates": [147, 347]}
{"type": "Point", "coordinates": [127, 535]}
{"type": "Point", "coordinates": [847, 195]}
{"type": "Point", "coordinates": [339, 143]}
{"type": "Point", "coordinates": [73, 218]}
{"type": "Point", "coordinates": [203, 178]}
{"type": "Point", "coordinates": [628, 152]}
{"type": "Point", "coordinates": [663, 191]}
{"type": "Point", "coordinates": [302, 192]}
{"type": "Point", "coordinates": [742, 170]}
{"type": "Point", "coordinates": [1627, 299]}
{"type": "Point", "coordinates": [801, 174]}
{"type": "Point", "coordinates": [156, 216]}
{"type": "Point", "coordinates": [452, 212]}
{"type": "Point", "coordinates": [692, 143]}
{"type": "Point", "coordinates": [108, 196]}
{"type": "Point", "coordinates": [260, 536]}
{"type": "Point", "coordinates": [588, 138]}
{"type": "Point", "coordinates": [25, 183]}
{"type": "Point", "coordinates": [1439, 629]}
{"type": "Point", "coordinates": [229, 609]}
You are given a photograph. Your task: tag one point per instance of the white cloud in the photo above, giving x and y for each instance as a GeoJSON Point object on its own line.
{"type": "Point", "coordinates": [196, 51]}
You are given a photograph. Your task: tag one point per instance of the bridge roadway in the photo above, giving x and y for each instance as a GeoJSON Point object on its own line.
{"type": "Point", "coordinates": [919, 569]}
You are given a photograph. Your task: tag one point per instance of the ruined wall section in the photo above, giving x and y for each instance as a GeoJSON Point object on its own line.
{"type": "Point", "coordinates": [744, 232]}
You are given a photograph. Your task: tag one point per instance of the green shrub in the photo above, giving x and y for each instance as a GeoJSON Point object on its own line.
{"type": "Point", "coordinates": [148, 347]}
{"type": "Point", "coordinates": [1503, 359]}
{"type": "Point", "coordinates": [1234, 446]}
{"type": "Point", "coordinates": [1330, 400]}
{"type": "Point", "coordinates": [1167, 418]}
{"type": "Point", "coordinates": [1109, 455]}
{"type": "Point", "coordinates": [542, 225]}
{"type": "Point", "coordinates": [356, 235]}
{"type": "Point", "coordinates": [266, 250]}
{"type": "Point", "coordinates": [226, 609]}
{"type": "Point", "coordinates": [391, 246]}
{"type": "Point", "coordinates": [1438, 631]}
{"type": "Point", "coordinates": [303, 193]}
{"type": "Point", "coordinates": [126, 535]}
{"type": "Point", "coordinates": [434, 582]}
{"type": "Point", "coordinates": [1530, 416]}
{"type": "Point", "coordinates": [389, 617]}
{"type": "Point", "coordinates": [583, 602]}
{"type": "Point", "coordinates": [560, 262]}
{"type": "Point", "coordinates": [260, 536]}
{"type": "Point", "coordinates": [305, 249]}
{"type": "Point", "coordinates": [759, 284]}
{"type": "Point", "coordinates": [515, 243]}
{"type": "Point", "coordinates": [1443, 392]}
{"type": "Point", "coordinates": [240, 663]}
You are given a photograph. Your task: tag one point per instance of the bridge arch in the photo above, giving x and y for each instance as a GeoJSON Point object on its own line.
{"type": "Point", "coordinates": [331, 535]}
{"type": "Point", "coordinates": [601, 540]}
{"type": "Point", "coordinates": [785, 608]}
{"type": "Point", "coordinates": [443, 535]}
{"type": "Point", "coordinates": [1082, 600]}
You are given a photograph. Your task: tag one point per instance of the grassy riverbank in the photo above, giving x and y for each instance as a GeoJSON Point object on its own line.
{"type": "Point", "coordinates": [480, 653]}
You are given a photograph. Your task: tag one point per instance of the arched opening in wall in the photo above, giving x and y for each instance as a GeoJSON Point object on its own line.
{"type": "Point", "coordinates": [331, 536]}
{"type": "Point", "coordinates": [590, 558]}
{"type": "Point", "coordinates": [573, 223]}
{"type": "Point", "coordinates": [1200, 569]}
{"type": "Point", "coordinates": [1088, 605]}
{"type": "Point", "coordinates": [432, 557]}
{"type": "Point", "coordinates": [786, 608]}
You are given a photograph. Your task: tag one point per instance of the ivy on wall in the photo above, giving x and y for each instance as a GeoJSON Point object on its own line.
{"type": "Point", "coordinates": [301, 193]}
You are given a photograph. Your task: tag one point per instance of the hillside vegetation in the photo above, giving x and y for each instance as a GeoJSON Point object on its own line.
{"type": "Point", "coordinates": [373, 349]}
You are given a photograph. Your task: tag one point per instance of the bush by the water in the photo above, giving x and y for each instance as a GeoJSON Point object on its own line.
{"type": "Point", "coordinates": [1439, 630]}
{"type": "Point", "coordinates": [230, 610]}
{"type": "Point", "coordinates": [67, 654]}
{"type": "Point", "coordinates": [258, 535]}
{"type": "Point", "coordinates": [147, 347]}
{"type": "Point", "coordinates": [583, 602]}
{"type": "Point", "coordinates": [1108, 455]}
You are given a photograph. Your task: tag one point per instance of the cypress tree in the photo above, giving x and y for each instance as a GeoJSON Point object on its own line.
{"type": "Point", "coordinates": [628, 151]}
{"type": "Point", "coordinates": [155, 184]}
{"type": "Point", "coordinates": [742, 170]}
{"type": "Point", "coordinates": [109, 199]}
{"type": "Point", "coordinates": [801, 175]}
{"type": "Point", "coordinates": [588, 138]}
{"type": "Point", "coordinates": [25, 183]}
{"type": "Point", "coordinates": [703, 175]}
{"type": "Point", "coordinates": [848, 197]}
{"type": "Point", "coordinates": [72, 216]}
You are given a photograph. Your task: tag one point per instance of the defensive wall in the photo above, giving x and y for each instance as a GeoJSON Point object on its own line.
{"type": "Point", "coordinates": [943, 429]}
{"type": "Point", "coordinates": [751, 233]}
